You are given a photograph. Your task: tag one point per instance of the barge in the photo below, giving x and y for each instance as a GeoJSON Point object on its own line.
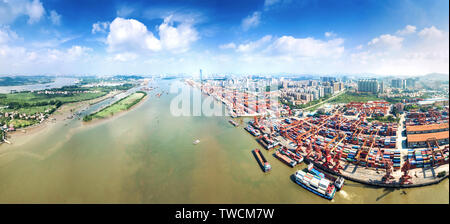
{"type": "Point", "coordinates": [294, 156]}
{"type": "Point", "coordinates": [268, 143]}
{"type": "Point", "coordinates": [283, 158]}
{"type": "Point", "coordinates": [265, 166]}
{"type": "Point", "coordinates": [252, 131]}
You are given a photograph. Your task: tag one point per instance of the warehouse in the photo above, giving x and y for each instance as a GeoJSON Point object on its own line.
{"type": "Point", "coordinates": [420, 140]}
{"type": "Point", "coordinates": [429, 128]}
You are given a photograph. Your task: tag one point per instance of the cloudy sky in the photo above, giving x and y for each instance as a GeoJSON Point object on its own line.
{"type": "Point", "coordinates": [106, 37]}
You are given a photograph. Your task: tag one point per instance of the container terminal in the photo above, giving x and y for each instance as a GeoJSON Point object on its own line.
{"type": "Point", "coordinates": [348, 142]}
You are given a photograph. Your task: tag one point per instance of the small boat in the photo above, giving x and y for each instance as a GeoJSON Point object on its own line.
{"type": "Point", "coordinates": [196, 142]}
{"type": "Point", "coordinates": [233, 123]}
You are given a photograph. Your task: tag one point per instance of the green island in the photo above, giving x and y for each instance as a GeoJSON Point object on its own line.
{"type": "Point", "coordinates": [118, 106]}
{"type": "Point", "coordinates": [22, 109]}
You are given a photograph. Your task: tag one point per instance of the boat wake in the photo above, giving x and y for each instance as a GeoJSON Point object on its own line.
{"type": "Point", "coordinates": [345, 195]}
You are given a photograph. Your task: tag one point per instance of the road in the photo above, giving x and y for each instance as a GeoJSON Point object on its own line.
{"type": "Point", "coordinates": [342, 92]}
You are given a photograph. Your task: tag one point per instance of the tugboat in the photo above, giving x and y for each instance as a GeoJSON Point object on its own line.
{"type": "Point", "coordinates": [233, 123]}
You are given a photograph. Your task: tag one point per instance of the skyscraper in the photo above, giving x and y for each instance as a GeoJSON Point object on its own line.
{"type": "Point", "coordinates": [368, 85]}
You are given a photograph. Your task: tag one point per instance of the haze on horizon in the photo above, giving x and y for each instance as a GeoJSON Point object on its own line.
{"type": "Point", "coordinates": [404, 37]}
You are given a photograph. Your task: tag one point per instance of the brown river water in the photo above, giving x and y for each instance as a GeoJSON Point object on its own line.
{"type": "Point", "coordinates": [146, 156]}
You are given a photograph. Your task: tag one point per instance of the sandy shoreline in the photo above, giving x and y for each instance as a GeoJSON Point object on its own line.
{"type": "Point", "coordinates": [59, 115]}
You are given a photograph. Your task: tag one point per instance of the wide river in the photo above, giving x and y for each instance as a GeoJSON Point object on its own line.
{"type": "Point", "coordinates": [146, 156]}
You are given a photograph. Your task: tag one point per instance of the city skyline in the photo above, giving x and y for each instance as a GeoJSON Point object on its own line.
{"type": "Point", "coordinates": [251, 37]}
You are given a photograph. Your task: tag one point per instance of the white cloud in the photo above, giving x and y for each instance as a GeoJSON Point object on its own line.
{"type": "Point", "coordinates": [14, 60]}
{"type": "Point", "coordinates": [130, 35]}
{"type": "Point", "coordinates": [11, 10]}
{"type": "Point", "coordinates": [251, 21]}
{"type": "Point", "coordinates": [77, 51]}
{"type": "Point", "coordinates": [254, 45]}
{"type": "Point", "coordinates": [330, 34]}
{"type": "Point", "coordinates": [177, 39]}
{"type": "Point", "coordinates": [428, 54]}
{"type": "Point", "coordinates": [127, 56]}
{"type": "Point", "coordinates": [431, 33]}
{"type": "Point", "coordinates": [228, 46]}
{"type": "Point", "coordinates": [386, 41]}
{"type": "Point", "coordinates": [270, 2]}
{"type": "Point", "coordinates": [306, 47]}
{"type": "Point", "coordinates": [55, 17]}
{"type": "Point", "coordinates": [35, 10]}
{"type": "Point", "coordinates": [124, 11]}
{"type": "Point", "coordinates": [99, 27]}
{"type": "Point", "coordinates": [407, 30]}
{"type": "Point", "coordinates": [7, 35]}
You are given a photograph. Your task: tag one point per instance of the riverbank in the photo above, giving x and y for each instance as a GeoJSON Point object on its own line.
{"type": "Point", "coordinates": [117, 114]}
{"type": "Point", "coordinates": [65, 112]}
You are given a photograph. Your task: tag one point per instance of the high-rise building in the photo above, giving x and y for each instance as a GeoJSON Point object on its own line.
{"type": "Point", "coordinates": [328, 90]}
{"type": "Point", "coordinates": [411, 83]}
{"type": "Point", "coordinates": [368, 85]}
{"type": "Point", "coordinates": [328, 79]}
{"type": "Point", "coordinates": [341, 86]}
{"type": "Point", "coordinates": [398, 83]}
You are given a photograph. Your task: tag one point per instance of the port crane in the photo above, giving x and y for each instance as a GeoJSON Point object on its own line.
{"type": "Point", "coordinates": [327, 152]}
{"type": "Point", "coordinates": [405, 178]}
{"type": "Point", "coordinates": [388, 168]}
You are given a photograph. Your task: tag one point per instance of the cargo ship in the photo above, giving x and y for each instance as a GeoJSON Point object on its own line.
{"type": "Point", "coordinates": [252, 131]}
{"type": "Point", "coordinates": [290, 162]}
{"type": "Point", "coordinates": [338, 182]}
{"type": "Point", "coordinates": [233, 123]}
{"type": "Point", "coordinates": [265, 166]}
{"type": "Point", "coordinates": [268, 143]}
{"type": "Point", "coordinates": [317, 185]}
{"type": "Point", "coordinates": [294, 156]}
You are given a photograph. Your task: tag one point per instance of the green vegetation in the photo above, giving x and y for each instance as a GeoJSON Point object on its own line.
{"type": "Point", "coordinates": [118, 78]}
{"type": "Point", "coordinates": [385, 119]}
{"type": "Point", "coordinates": [120, 105]}
{"type": "Point", "coordinates": [24, 80]}
{"type": "Point", "coordinates": [421, 108]}
{"type": "Point", "coordinates": [348, 97]}
{"type": "Point", "coordinates": [36, 104]}
{"type": "Point", "coordinates": [411, 107]}
{"type": "Point", "coordinates": [301, 106]}
{"type": "Point", "coordinates": [39, 102]}
{"type": "Point", "coordinates": [19, 123]}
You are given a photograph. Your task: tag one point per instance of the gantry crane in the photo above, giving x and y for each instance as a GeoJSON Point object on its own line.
{"type": "Point", "coordinates": [405, 178]}
{"type": "Point", "coordinates": [388, 169]}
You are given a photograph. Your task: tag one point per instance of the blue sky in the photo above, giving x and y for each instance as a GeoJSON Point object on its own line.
{"type": "Point", "coordinates": [108, 37]}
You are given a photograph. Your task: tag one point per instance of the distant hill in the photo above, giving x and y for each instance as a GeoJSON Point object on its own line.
{"type": "Point", "coordinates": [435, 77]}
